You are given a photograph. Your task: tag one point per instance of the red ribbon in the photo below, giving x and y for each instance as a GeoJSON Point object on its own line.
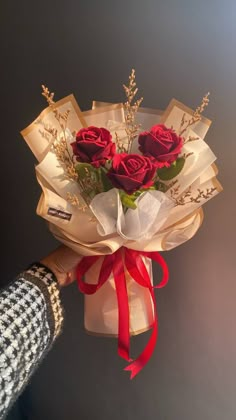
{"type": "Point", "coordinates": [114, 264]}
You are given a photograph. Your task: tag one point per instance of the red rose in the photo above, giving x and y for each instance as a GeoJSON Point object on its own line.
{"type": "Point", "coordinates": [93, 145]}
{"type": "Point", "coordinates": [161, 144]}
{"type": "Point", "coordinates": [130, 172]}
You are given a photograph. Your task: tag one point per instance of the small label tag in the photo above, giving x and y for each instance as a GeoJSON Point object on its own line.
{"type": "Point", "coordinates": [59, 213]}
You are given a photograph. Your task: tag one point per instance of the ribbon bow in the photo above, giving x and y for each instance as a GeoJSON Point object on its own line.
{"type": "Point", "coordinates": [115, 264]}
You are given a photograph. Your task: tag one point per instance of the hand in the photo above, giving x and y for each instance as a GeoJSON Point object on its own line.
{"type": "Point", "coordinates": [62, 262]}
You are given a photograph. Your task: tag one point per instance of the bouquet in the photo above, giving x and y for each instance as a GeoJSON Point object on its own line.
{"type": "Point", "coordinates": [120, 183]}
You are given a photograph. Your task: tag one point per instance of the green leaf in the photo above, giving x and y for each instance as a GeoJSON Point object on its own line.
{"type": "Point", "coordinates": [107, 185]}
{"type": "Point", "coordinates": [85, 170]}
{"type": "Point", "coordinates": [165, 174]}
{"type": "Point", "coordinates": [160, 186]}
{"type": "Point", "coordinates": [128, 200]}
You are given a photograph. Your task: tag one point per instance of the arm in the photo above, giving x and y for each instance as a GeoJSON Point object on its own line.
{"type": "Point", "coordinates": [31, 317]}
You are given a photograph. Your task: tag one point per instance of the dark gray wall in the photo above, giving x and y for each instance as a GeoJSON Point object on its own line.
{"type": "Point", "coordinates": [181, 49]}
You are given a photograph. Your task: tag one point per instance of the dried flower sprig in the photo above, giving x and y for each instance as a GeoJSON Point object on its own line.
{"type": "Point", "coordinates": [131, 108]}
{"type": "Point", "coordinates": [61, 118]}
{"type": "Point", "coordinates": [186, 123]}
{"type": "Point", "coordinates": [121, 147]}
{"type": "Point", "coordinates": [74, 200]}
{"type": "Point", "coordinates": [59, 144]}
{"type": "Point", "coordinates": [48, 95]}
{"type": "Point", "coordinates": [48, 132]}
{"type": "Point", "coordinates": [61, 150]}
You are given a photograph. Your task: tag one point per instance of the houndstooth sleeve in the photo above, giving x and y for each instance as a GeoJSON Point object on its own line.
{"type": "Point", "coordinates": [31, 317]}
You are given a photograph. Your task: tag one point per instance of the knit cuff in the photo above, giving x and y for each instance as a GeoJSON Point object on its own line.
{"type": "Point", "coordinates": [45, 280]}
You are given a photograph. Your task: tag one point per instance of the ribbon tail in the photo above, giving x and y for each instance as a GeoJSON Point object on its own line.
{"type": "Point", "coordinates": [155, 256]}
{"type": "Point", "coordinates": [145, 356]}
{"type": "Point", "coordinates": [138, 271]}
{"type": "Point", "coordinates": [123, 307]}
{"type": "Point", "coordinates": [136, 366]}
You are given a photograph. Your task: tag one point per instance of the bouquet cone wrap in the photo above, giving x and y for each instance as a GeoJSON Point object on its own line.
{"type": "Point", "coordinates": [103, 228]}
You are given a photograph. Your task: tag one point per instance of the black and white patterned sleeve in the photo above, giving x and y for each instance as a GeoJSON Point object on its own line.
{"type": "Point", "coordinates": [31, 317]}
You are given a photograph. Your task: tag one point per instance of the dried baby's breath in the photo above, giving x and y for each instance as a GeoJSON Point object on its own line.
{"type": "Point", "coordinates": [59, 143]}
{"type": "Point", "coordinates": [60, 117]}
{"type": "Point", "coordinates": [197, 115]}
{"type": "Point", "coordinates": [48, 95]}
{"type": "Point", "coordinates": [74, 200]}
{"type": "Point", "coordinates": [131, 108]}
{"type": "Point", "coordinates": [119, 144]}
